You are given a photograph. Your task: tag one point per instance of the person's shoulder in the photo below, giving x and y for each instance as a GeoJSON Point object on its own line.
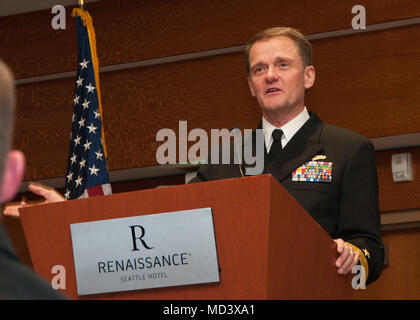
{"type": "Point", "coordinates": [347, 143]}
{"type": "Point", "coordinates": [342, 134]}
{"type": "Point", "coordinates": [335, 134]}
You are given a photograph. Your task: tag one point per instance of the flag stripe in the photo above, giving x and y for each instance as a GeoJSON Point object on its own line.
{"type": "Point", "coordinates": [95, 191]}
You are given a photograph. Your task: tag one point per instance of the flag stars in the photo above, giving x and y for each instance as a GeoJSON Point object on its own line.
{"type": "Point", "coordinates": [82, 163]}
{"type": "Point", "coordinates": [85, 104]}
{"type": "Point", "coordinates": [92, 128]}
{"type": "Point", "coordinates": [77, 140]}
{"type": "Point", "coordinates": [99, 155]}
{"type": "Point", "coordinates": [67, 194]}
{"type": "Point", "coordinates": [76, 99]}
{"type": "Point", "coordinates": [90, 88]}
{"type": "Point", "coordinates": [87, 145]}
{"type": "Point", "coordinates": [84, 64]}
{"type": "Point", "coordinates": [94, 170]}
{"type": "Point", "coordinates": [69, 177]}
{"type": "Point", "coordinates": [79, 181]}
{"type": "Point", "coordinates": [97, 114]}
{"type": "Point", "coordinates": [73, 158]}
{"type": "Point", "coordinates": [81, 122]}
{"type": "Point", "coordinates": [79, 82]}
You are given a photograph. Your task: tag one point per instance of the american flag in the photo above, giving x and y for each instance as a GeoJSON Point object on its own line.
{"type": "Point", "coordinates": [87, 173]}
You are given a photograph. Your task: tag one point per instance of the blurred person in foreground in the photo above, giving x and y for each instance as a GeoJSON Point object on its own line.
{"type": "Point", "coordinates": [16, 280]}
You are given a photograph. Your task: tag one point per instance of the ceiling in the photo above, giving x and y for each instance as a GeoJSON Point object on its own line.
{"type": "Point", "coordinates": [11, 7]}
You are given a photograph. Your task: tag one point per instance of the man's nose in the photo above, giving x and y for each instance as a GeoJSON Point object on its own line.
{"type": "Point", "coordinates": [271, 75]}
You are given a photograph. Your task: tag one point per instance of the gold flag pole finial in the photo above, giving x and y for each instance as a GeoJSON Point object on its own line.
{"type": "Point", "coordinates": [81, 4]}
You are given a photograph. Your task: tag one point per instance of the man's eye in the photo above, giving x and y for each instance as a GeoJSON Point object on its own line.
{"type": "Point", "coordinates": [258, 70]}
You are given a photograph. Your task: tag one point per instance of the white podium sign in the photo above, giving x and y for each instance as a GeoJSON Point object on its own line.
{"type": "Point", "coordinates": [148, 251]}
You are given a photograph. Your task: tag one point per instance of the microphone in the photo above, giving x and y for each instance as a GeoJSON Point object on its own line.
{"type": "Point", "coordinates": [236, 132]}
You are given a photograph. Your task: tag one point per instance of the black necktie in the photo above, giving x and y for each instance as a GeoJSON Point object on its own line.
{"type": "Point", "coordinates": [276, 145]}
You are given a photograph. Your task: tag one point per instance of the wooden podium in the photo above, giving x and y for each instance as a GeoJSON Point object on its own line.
{"type": "Point", "coordinates": [268, 246]}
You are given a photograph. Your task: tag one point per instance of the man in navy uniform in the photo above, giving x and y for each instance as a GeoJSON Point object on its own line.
{"type": "Point", "coordinates": [343, 197]}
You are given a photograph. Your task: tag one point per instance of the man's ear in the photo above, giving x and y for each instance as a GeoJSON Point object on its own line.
{"type": "Point", "coordinates": [309, 77]}
{"type": "Point", "coordinates": [251, 86]}
{"type": "Point", "coordinates": [12, 176]}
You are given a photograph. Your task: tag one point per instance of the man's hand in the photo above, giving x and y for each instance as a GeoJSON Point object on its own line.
{"type": "Point", "coordinates": [12, 209]}
{"type": "Point", "coordinates": [347, 259]}
{"type": "Point", "coordinates": [49, 194]}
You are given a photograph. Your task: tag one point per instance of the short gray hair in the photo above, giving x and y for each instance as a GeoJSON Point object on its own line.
{"type": "Point", "coordinates": [304, 46]}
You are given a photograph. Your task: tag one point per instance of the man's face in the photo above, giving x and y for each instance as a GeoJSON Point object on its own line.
{"type": "Point", "coordinates": [278, 78]}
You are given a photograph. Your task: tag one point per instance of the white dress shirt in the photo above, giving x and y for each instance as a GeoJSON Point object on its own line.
{"type": "Point", "coordinates": [289, 129]}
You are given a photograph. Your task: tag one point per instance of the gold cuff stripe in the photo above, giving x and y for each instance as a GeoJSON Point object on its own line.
{"type": "Point", "coordinates": [362, 258]}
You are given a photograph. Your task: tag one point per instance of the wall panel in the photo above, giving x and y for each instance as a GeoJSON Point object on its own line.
{"type": "Point", "coordinates": [401, 279]}
{"type": "Point", "coordinates": [131, 30]}
{"type": "Point", "coordinates": [368, 82]}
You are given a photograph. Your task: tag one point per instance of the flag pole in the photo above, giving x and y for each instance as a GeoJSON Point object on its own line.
{"type": "Point", "coordinates": [81, 4]}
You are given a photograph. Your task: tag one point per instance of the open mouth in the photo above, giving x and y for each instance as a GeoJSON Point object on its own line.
{"type": "Point", "coordinates": [272, 90]}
